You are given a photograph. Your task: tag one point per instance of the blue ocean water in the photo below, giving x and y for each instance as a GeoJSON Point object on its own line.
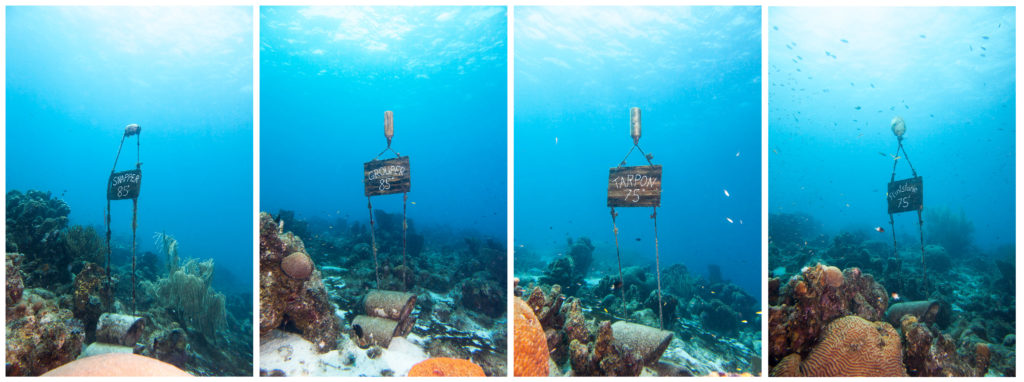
{"type": "Point", "coordinates": [837, 78]}
{"type": "Point", "coordinates": [695, 74]}
{"type": "Point", "coordinates": [76, 76]}
{"type": "Point", "coordinates": [327, 75]}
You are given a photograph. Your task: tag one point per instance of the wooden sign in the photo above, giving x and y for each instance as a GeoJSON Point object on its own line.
{"type": "Point", "coordinates": [905, 195]}
{"type": "Point", "coordinates": [637, 186]}
{"type": "Point", "coordinates": [383, 177]}
{"type": "Point", "coordinates": [124, 185]}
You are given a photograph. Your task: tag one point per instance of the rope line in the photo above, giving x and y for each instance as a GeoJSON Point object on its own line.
{"type": "Point", "coordinates": [618, 256]}
{"type": "Point", "coordinates": [373, 242]}
{"type": "Point", "coordinates": [657, 268]}
{"type": "Point", "coordinates": [920, 220]}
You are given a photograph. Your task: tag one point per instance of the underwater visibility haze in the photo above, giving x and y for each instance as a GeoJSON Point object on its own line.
{"type": "Point", "coordinates": [76, 77]}
{"type": "Point", "coordinates": [694, 72]}
{"type": "Point", "coordinates": [328, 75]}
{"type": "Point", "coordinates": [840, 79]}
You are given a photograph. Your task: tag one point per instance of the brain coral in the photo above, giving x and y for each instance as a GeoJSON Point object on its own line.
{"type": "Point", "coordinates": [531, 346]}
{"type": "Point", "coordinates": [446, 367]}
{"type": "Point", "coordinates": [298, 266]}
{"type": "Point", "coordinates": [854, 347]}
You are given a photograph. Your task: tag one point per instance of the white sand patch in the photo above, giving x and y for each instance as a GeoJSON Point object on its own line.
{"type": "Point", "coordinates": [295, 356]}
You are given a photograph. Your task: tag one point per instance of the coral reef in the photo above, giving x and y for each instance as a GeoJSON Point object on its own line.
{"type": "Point", "coordinates": [531, 351]}
{"type": "Point", "coordinates": [851, 347]}
{"type": "Point", "coordinates": [484, 296]}
{"type": "Point", "coordinates": [90, 297]}
{"type": "Point", "coordinates": [446, 367]}
{"type": "Point", "coordinates": [955, 313]}
{"type": "Point", "coordinates": [930, 354]}
{"type": "Point", "coordinates": [40, 335]}
{"type": "Point", "coordinates": [304, 304]}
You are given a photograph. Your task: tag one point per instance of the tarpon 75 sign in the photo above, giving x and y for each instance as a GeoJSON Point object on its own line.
{"type": "Point", "coordinates": [636, 186]}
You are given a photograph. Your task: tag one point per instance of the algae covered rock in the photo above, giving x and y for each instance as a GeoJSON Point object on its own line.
{"type": "Point", "coordinates": [303, 303]}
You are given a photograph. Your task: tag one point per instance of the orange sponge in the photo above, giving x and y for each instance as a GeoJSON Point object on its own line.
{"type": "Point", "coordinates": [446, 367]}
{"type": "Point", "coordinates": [117, 365]}
{"type": "Point", "coordinates": [531, 345]}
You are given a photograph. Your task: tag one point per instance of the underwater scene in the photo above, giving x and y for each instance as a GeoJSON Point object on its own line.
{"type": "Point", "coordinates": [105, 277]}
{"type": "Point", "coordinates": [607, 99]}
{"type": "Point", "coordinates": [368, 268]}
{"type": "Point", "coordinates": [868, 274]}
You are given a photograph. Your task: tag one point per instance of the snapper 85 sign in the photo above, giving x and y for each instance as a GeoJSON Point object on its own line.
{"type": "Point", "coordinates": [124, 185]}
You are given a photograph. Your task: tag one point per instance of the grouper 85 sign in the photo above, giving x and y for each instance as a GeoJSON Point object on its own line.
{"type": "Point", "coordinates": [383, 177]}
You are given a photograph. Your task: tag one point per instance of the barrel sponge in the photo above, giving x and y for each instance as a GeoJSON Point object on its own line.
{"type": "Point", "coordinates": [297, 266]}
{"type": "Point", "coordinates": [446, 367]}
{"type": "Point", "coordinates": [531, 345]}
{"type": "Point", "coordinates": [117, 365]}
{"type": "Point", "coordinates": [855, 347]}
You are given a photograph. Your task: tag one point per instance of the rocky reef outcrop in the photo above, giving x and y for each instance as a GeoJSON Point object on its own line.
{"type": "Point", "coordinates": [40, 334]}
{"type": "Point", "coordinates": [287, 301]}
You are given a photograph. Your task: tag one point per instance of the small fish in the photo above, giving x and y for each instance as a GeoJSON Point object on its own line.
{"type": "Point", "coordinates": [712, 292]}
{"type": "Point", "coordinates": [879, 229]}
{"type": "Point", "coordinates": [743, 321]}
{"type": "Point", "coordinates": [729, 219]}
{"type": "Point", "coordinates": [413, 203]}
{"type": "Point", "coordinates": [872, 85]}
{"type": "Point", "coordinates": [616, 285]}
{"type": "Point", "coordinates": [923, 36]}
{"type": "Point", "coordinates": [775, 27]}
{"type": "Point", "coordinates": [737, 154]}
{"type": "Point", "coordinates": [757, 312]}
{"type": "Point", "coordinates": [895, 296]}
{"type": "Point", "coordinates": [984, 37]}
{"type": "Point", "coordinates": [856, 108]}
{"type": "Point", "coordinates": [726, 192]}
{"type": "Point", "coordinates": [606, 310]}
{"type": "Point", "coordinates": [638, 239]}
{"type": "Point", "coordinates": [844, 41]}
{"type": "Point", "coordinates": [556, 140]}
{"type": "Point", "coordinates": [883, 154]}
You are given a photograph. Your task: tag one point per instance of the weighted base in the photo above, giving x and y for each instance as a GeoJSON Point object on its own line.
{"type": "Point", "coordinates": [119, 329]}
{"type": "Point", "coordinates": [644, 343]}
{"type": "Point", "coordinates": [367, 331]}
{"type": "Point", "coordinates": [395, 306]}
